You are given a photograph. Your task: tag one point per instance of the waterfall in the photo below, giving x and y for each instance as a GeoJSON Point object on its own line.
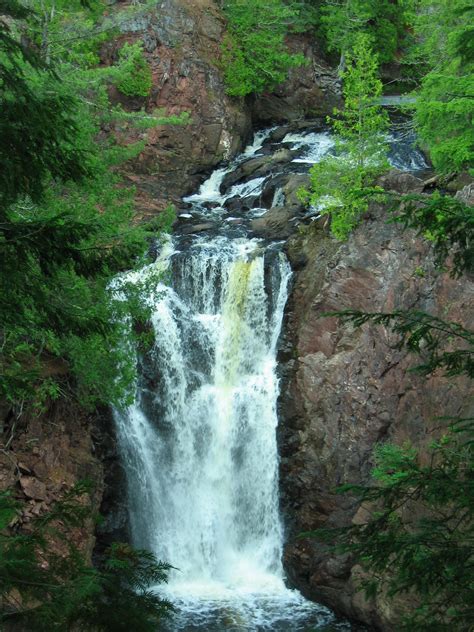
{"type": "Point", "coordinates": [201, 451]}
{"type": "Point", "coordinates": [199, 443]}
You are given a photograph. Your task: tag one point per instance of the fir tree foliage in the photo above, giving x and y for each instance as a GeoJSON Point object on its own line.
{"type": "Point", "coordinates": [65, 219]}
{"type": "Point", "coordinates": [444, 112]}
{"type": "Point", "coordinates": [46, 583]}
{"type": "Point", "coordinates": [384, 21]}
{"type": "Point", "coordinates": [135, 79]}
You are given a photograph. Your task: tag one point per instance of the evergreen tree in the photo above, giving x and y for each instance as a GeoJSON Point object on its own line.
{"type": "Point", "coordinates": [338, 181]}
{"type": "Point", "coordinates": [65, 222]}
{"type": "Point", "coordinates": [46, 584]}
{"type": "Point", "coordinates": [384, 21]}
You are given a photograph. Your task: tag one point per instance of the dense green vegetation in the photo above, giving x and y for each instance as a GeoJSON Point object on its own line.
{"type": "Point", "coordinates": [135, 79]}
{"type": "Point", "coordinates": [254, 56]}
{"type": "Point", "coordinates": [384, 21]}
{"type": "Point", "coordinates": [444, 110]}
{"type": "Point", "coordinates": [66, 224]}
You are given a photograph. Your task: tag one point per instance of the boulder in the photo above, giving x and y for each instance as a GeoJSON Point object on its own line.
{"type": "Point", "coordinates": [401, 182]}
{"type": "Point", "coordinates": [197, 228]}
{"type": "Point", "coordinates": [292, 187]}
{"type": "Point", "coordinates": [277, 223]}
{"type": "Point", "coordinates": [466, 195]}
{"type": "Point", "coordinates": [33, 488]}
{"type": "Point", "coordinates": [256, 167]}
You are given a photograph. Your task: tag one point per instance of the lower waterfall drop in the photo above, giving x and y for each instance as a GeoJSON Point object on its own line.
{"type": "Point", "coordinates": [199, 444]}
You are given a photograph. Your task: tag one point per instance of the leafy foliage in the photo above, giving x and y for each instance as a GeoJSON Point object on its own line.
{"type": "Point", "coordinates": [46, 584]}
{"type": "Point", "coordinates": [254, 56]}
{"type": "Point", "coordinates": [338, 182]}
{"type": "Point", "coordinates": [47, 150]}
{"type": "Point", "coordinates": [384, 21]}
{"type": "Point", "coordinates": [446, 222]}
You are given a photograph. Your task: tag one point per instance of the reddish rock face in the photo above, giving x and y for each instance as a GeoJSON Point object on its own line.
{"type": "Point", "coordinates": [345, 389]}
{"type": "Point", "coordinates": [310, 90]}
{"type": "Point", "coordinates": [181, 43]}
{"type": "Point", "coordinates": [50, 453]}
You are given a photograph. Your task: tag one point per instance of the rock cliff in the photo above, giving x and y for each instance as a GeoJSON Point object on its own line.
{"type": "Point", "coordinates": [346, 389]}
{"type": "Point", "coordinates": [44, 455]}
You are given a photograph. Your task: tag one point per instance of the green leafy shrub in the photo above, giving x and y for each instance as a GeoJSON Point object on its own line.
{"type": "Point", "coordinates": [135, 79]}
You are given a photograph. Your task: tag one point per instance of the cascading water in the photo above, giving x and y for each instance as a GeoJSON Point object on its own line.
{"type": "Point", "coordinates": [199, 443]}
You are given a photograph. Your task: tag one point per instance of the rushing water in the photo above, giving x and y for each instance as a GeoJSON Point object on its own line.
{"type": "Point", "coordinates": [199, 443]}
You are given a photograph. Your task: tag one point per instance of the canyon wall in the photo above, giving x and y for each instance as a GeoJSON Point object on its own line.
{"type": "Point", "coordinates": [345, 389]}
{"type": "Point", "coordinates": [182, 40]}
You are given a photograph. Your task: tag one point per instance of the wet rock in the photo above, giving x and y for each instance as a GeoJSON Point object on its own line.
{"type": "Point", "coordinates": [271, 186]}
{"type": "Point", "coordinates": [197, 228]}
{"type": "Point", "coordinates": [311, 90]}
{"type": "Point", "coordinates": [234, 204]}
{"type": "Point", "coordinates": [256, 167]}
{"type": "Point", "coordinates": [292, 188]}
{"type": "Point", "coordinates": [279, 133]}
{"type": "Point", "coordinates": [182, 42]}
{"type": "Point", "coordinates": [459, 182]}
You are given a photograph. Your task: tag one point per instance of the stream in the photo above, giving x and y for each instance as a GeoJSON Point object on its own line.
{"type": "Point", "coordinates": [199, 443]}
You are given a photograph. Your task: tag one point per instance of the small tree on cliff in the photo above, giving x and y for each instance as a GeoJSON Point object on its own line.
{"type": "Point", "coordinates": [338, 181]}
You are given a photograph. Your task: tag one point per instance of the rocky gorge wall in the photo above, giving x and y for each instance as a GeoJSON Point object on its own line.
{"type": "Point", "coordinates": [345, 389]}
